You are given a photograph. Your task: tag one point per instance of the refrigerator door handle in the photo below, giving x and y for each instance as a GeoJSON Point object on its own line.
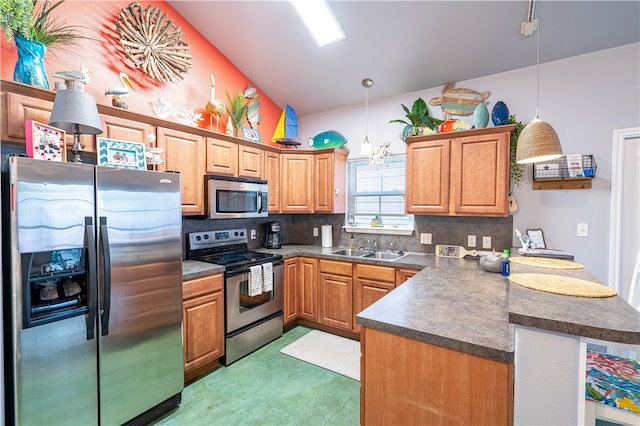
{"type": "Point", "coordinates": [92, 284]}
{"type": "Point", "coordinates": [106, 267]}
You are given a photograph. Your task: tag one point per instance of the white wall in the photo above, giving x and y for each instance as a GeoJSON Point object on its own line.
{"type": "Point", "coordinates": [584, 98]}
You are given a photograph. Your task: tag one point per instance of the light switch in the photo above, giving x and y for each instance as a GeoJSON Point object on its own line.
{"type": "Point", "coordinates": [583, 230]}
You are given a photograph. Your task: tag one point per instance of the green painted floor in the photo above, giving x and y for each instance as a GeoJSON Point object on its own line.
{"type": "Point", "coordinates": [269, 388]}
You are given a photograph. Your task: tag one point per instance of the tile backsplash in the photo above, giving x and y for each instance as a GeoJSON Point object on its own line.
{"type": "Point", "coordinates": [298, 229]}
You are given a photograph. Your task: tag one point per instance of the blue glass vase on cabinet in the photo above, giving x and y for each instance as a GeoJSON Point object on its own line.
{"type": "Point", "coordinates": [30, 64]}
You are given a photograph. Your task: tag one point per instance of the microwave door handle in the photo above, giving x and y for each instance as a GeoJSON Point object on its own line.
{"type": "Point", "coordinates": [92, 285]}
{"type": "Point", "coordinates": [259, 201]}
{"type": "Point", "coordinates": [106, 285]}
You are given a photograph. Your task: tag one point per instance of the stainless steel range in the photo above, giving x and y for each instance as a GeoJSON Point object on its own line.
{"type": "Point", "coordinates": [253, 289]}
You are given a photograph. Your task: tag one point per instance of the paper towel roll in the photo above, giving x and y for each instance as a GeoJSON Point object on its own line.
{"type": "Point", "coordinates": [327, 236]}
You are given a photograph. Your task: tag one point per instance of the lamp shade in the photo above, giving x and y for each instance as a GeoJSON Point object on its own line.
{"type": "Point", "coordinates": [75, 112]}
{"type": "Point", "coordinates": [538, 142]}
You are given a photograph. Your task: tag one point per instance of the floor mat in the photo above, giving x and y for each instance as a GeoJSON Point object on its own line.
{"type": "Point", "coordinates": [328, 351]}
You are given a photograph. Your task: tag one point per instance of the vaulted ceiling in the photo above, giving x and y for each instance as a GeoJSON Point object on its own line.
{"type": "Point", "coordinates": [404, 46]}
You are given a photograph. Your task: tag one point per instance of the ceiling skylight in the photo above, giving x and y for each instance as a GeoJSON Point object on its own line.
{"type": "Point", "coordinates": [320, 21]}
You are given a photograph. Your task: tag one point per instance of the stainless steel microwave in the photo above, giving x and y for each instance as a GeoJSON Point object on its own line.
{"type": "Point", "coordinates": [231, 197]}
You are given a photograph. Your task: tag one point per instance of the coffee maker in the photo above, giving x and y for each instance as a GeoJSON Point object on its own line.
{"type": "Point", "coordinates": [272, 239]}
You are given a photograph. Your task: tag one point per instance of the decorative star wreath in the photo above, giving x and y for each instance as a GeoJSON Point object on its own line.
{"type": "Point", "coordinates": [153, 43]}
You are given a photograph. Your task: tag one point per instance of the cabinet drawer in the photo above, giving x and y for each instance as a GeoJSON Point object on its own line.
{"type": "Point", "coordinates": [199, 286]}
{"type": "Point", "coordinates": [377, 273]}
{"type": "Point", "coordinates": [337, 268]}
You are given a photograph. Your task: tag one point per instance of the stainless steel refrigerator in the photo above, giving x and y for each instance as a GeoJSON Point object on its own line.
{"type": "Point", "coordinates": [93, 293]}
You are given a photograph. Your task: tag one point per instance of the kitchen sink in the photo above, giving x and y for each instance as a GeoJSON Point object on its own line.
{"type": "Point", "coordinates": [353, 252]}
{"type": "Point", "coordinates": [383, 255]}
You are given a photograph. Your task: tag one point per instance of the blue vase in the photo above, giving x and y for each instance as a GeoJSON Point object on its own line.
{"type": "Point", "coordinates": [500, 114]}
{"type": "Point", "coordinates": [30, 65]}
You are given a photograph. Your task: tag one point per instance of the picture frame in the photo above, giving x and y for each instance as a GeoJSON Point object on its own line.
{"type": "Point", "coordinates": [536, 237]}
{"type": "Point", "coordinates": [44, 142]}
{"type": "Point", "coordinates": [121, 154]}
{"type": "Point", "coordinates": [250, 134]}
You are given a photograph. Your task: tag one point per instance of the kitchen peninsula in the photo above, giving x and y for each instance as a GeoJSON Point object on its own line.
{"type": "Point", "coordinates": [447, 346]}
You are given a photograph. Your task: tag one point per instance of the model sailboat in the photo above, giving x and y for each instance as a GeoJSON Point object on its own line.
{"type": "Point", "coordinates": [286, 132]}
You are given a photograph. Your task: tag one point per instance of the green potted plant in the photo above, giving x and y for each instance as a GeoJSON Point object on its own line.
{"type": "Point", "coordinates": [417, 118]}
{"type": "Point", "coordinates": [237, 110]}
{"type": "Point", "coordinates": [33, 28]}
{"type": "Point", "coordinates": [517, 170]}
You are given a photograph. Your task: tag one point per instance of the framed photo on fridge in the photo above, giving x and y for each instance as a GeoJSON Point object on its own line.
{"type": "Point", "coordinates": [44, 142]}
{"type": "Point", "coordinates": [122, 154]}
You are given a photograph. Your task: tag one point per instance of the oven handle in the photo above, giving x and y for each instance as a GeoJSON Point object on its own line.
{"type": "Point", "coordinates": [241, 271]}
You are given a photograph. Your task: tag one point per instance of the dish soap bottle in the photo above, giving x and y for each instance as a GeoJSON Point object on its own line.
{"type": "Point", "coordinates": [505, 263]}
{"type": "Point", "coordinates": [352, 243]}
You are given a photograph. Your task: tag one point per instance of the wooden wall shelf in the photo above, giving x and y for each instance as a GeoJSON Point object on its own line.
{"type": "Point", "coordinates": [567, 183]}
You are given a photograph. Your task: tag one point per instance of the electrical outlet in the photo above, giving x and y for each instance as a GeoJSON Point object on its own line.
{"type": "Point", "coordinates": [425, 238]}
{"type": "Point", "coordinates": [471, 240]}
{"type": "Point", "coordinates": [583, 230]}
{"type": "Point", "coordinates": [315, 232]}
{"type": "Point", "coordinates": [253, 234]}
{"type": "Point", "coordinates": [486, 242]}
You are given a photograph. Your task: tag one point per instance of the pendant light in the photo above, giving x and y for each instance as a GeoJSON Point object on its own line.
{"type": "Point", "coordinates": [538, 141]}
{"type": "Point", "coordinates": [366, 149]}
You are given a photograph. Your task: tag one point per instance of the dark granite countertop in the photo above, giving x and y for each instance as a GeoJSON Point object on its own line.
{"type": "Point", "coordinates": [454, 303]}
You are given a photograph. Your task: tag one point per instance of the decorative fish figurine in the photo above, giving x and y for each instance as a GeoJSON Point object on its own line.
{"type": "Point", "coordinates": [458, 101]}
{"type": "Point", "coordinates": [327, 139]}
{"type": "Point", "coordinates": [253, 106]}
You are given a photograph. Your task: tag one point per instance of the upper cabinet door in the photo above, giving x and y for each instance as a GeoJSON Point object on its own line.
{"type": "Point", "coordinates": [250, 161]}
{"type": "Point", "coordinates": [330, 171]}
{"type": "Point", "coordinates": [297, 185]}
{"type": "Point", "coordinates": [21, 107]}
{"type": "Point", "coordinates": [427, 177]}
{"type": "Point", "coordinates": [222, 157]}
{"type": "Point", "coordinates": [185, 153]}
{"type": "Point", "coordinates": [126, 130]}
{"type": "Point", "coordinates": [272, 176]}
{"type": "Point", "coordinates": [480, 175]}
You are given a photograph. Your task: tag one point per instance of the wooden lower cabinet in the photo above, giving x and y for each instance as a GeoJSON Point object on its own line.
{"type": "Point", "coordinates": [308, 284]}
{"type": "Point", "coordinates": [291, 290]}
{"type": "Point", "coordinates": [404, 381]}
{"type": "Point", "coordinates": [335, 294]}
{"type": "Point", "coordinates": [203, 323]}
{"type": "Point", "coordinates": [403, 274]}
{"type": "Point", "coordinates": [371, 282]}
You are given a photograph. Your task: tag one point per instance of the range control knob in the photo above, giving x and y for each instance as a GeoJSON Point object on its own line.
{"type": "Point", "coordinates": [206, 236]}
{"type": "Point", "coordinates": [198, 238]}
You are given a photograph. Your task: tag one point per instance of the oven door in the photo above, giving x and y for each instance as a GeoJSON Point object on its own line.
{"type": "Point", "coordinates": [241, 309]}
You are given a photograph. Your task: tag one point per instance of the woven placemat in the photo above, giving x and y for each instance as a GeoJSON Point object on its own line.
{"type": "Point", "coordinates": [546, 262]}
{"type": "Point", "coordinates": [562, 285]}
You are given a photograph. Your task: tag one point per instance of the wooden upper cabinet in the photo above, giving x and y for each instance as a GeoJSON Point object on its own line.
{"type": "Point", "coordinates": [126, 130]}
{"type": "Point", "coordinates": [222, 157]}
{"type": "Point", "coordinates": [271, 173]}
{"type": "Point", "coordinates": [427, 177]}
{"type": "Point", "coordinates": [297, 183]}
{"type": "Point", "coordinates": [185, 153]}
{"type": "Point", "coordinates": [480, 175]}
{"type": "Point", "coordinates": [21, 107]}
{"type": "Point", "coordinates": [330, 172]}
{"type": "Point", "coordinates": [250, 161]}
{"type": "Point", "coordinates": [459, 174]}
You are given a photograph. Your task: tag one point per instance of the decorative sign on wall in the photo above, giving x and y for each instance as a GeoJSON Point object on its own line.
{"type": "Point", "coordinates": [153, 43]}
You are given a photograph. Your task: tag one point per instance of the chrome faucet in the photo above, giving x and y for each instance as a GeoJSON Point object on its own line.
{"type": "Point", "coordinates": [374, 242]}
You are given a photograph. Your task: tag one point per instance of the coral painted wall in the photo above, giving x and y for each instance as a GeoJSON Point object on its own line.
{"type": "Point", "coordinates": [104, 55]}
